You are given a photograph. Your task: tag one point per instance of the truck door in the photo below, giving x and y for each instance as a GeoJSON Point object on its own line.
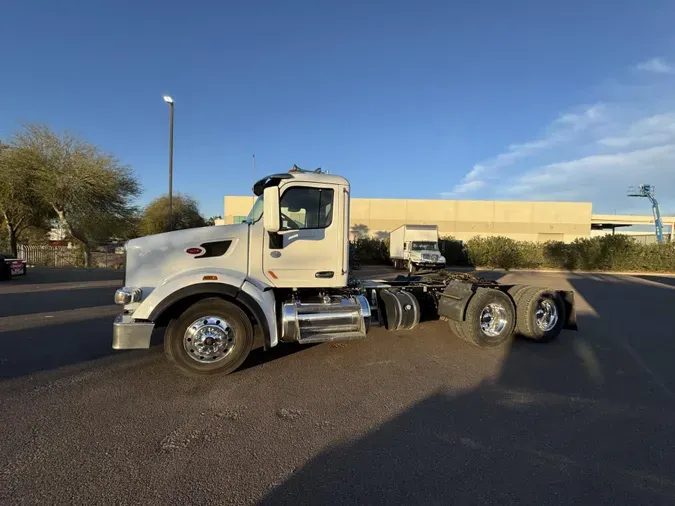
{"type": "Point", "coordinates": [307, 250]}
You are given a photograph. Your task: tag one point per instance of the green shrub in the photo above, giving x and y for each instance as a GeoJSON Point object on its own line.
{"type": "Point", "coordinates": [532, 254]}
{"type": "Point", "coordinates": [497, 251]}
{"type": "Point", "coordinates": [370, 250]}
{"type": "Point", "coordinates": [453, 250]}
{"type": "Point", "coordinates": [605, 253]}
{"type": "Point", "coordinates": [558, 255]}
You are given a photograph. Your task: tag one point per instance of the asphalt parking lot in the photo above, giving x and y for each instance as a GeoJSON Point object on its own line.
{"type": "Point", "coordinates": [400, 418]}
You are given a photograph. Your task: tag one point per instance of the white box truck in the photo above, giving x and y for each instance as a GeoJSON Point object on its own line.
{"type": "Point", "coordinates": [414, 247]}
{"type": "Point", "coordinates": [283, 276]}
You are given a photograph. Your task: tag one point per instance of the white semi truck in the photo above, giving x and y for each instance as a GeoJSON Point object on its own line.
{"type": "Point", "coordinates": [283, 275]}
{"type": "Point", "coordinates": [414, 247]}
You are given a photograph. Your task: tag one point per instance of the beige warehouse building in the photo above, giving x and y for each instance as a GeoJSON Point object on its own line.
{"type": "Point", "coordinates": [462, 219]}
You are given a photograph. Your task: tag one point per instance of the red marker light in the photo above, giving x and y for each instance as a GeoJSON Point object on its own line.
{"type": "Point", "coordinates": [194, 251]}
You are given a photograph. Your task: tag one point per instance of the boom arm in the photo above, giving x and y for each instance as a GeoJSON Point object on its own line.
{"type": "Point", "coordinates": [647, 190]}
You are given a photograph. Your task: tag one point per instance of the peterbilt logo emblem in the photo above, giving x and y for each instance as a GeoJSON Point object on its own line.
{"type": "Point", "coordinates": [195, 251]}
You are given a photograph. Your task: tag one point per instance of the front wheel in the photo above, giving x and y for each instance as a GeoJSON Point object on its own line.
{"type": "Point", "coordinates": [211, 336]}
{"type": "Point", "coordinates": [411, 268]}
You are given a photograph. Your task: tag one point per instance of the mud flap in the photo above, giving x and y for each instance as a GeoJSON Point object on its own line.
{"type": "Point", "coordinates": [453, 300]}
{"type": "Point", "coordinates": [567, 297]}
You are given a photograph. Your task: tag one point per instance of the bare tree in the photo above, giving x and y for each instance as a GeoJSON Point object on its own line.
{"type": "Point", "coordinates": [211, 221]}
{"type": "Point", "coordinates": [20, 205]}
{"type": "Point", "coordinates": [156, 215]}
{"type": "Point", "coordinates": [90, 191]}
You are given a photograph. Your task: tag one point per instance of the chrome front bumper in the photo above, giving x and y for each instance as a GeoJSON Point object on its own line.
{"type": "Point", "coordinates": [129, 334]}
{"type": "Point", "coordinates": [428, 263]}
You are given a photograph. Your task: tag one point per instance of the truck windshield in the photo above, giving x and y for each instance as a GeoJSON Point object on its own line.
{"type": "Point", "coordinates": [424, 246]}
{"type": "Point", "coordinates": [256, 211]}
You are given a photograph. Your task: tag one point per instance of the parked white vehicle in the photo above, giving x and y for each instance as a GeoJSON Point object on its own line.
{"type": "Point", "coordinates": [283, 275]}
{"type": "Point", "coordinates": [414, 247]}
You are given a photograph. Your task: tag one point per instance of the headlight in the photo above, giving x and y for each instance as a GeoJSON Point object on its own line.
{"type": "Point", "coordinates": [126, 295]}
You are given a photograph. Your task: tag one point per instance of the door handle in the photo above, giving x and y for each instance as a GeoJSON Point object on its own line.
{"type": "Point", "coordinates": [324, 274]}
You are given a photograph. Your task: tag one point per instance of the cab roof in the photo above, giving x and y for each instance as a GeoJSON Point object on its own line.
{"type": "Point", "coordinates": [297, 174]}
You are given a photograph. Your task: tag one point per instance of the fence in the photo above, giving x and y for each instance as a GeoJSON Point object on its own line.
{"type": "Point", "coordinates": [63, 256]}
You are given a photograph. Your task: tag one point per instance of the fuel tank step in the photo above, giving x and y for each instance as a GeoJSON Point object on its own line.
{"type": "Point", "coordinates": [323, 338]}
{"type": "Point", "coordinates": [333, 318]}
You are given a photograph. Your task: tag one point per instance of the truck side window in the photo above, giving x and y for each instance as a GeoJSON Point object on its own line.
{"type": "Point", "coordinates": [303, 208]}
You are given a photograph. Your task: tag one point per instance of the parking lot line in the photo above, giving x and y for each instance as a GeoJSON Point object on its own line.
{"type": "Point", "coordinates": [48, 287]}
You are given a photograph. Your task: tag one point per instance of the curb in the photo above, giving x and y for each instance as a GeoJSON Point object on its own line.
{"type": "Point", "coordinates": [561, 271]}
{"type": "Point", "coordinates": [537, 271]}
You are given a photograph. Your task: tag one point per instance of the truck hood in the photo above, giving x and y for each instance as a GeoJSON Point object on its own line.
{"type": "Point", "coordinates": [153, 259]}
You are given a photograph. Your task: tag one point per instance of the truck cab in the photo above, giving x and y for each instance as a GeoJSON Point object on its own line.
{"type": "Point", "coordinates": [284, 271]}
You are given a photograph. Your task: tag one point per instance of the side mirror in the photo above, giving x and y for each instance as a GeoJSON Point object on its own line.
{"type": "Point", "coordinates": [271, 216]}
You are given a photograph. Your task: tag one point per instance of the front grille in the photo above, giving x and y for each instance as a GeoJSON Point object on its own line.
{"type": "Point", "coordinates": [426, 256]}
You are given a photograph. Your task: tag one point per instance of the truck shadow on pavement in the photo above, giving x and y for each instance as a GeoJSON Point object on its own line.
{"type": "Point", "coordinates": [664, 280]}
{"type": "Point", "coordinates": [32, 302]}
{"type": "Point", "coordinates": [586, 419]}
{"type": "Point", "coordinates": [31, 350]}
{"type": "Point", "coordinates": [49, 347]}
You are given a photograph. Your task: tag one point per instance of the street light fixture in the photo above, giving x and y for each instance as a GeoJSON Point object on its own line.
{"type": "Point", "coordinates": [169, 101]}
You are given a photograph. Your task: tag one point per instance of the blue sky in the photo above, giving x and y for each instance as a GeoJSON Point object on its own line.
{"type": "Point", "coordinates": [479, 100]}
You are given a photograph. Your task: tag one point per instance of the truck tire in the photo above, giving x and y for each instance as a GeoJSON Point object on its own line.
{"type": "Point", "coordinates": [490, 319]}
{"type": "Point", "coordinates": [211, 336]}
{"type": "Point", "coordinates": [540, 314]}
{"type": "Point", "coordinates": [515, 292]}
{"type": "Point", "coordinates": [412, 270]}
{"type": "Point", "coordinates": [457, 329]}
{"type": "Point", "coordinates": [5, 271]}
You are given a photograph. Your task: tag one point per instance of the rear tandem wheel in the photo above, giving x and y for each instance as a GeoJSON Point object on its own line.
{"type": "Point", "coordinates": [490, 319]}
{"type": "Point", "coordinates": [540, 314]}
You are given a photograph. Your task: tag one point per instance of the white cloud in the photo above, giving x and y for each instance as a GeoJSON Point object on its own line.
{"type": "Point", "coordinates": [475, 171]}
{"type": "Point", "coordinates": [652, 130]}
{"type": "Point", "coordinates": [607, 175]}
{"type": "Point", "coordinates": [561, 130]}
{"type": "Point", "coordinates": [593, 153]}
{"type": "Point", "coordinates": [656, 65]}
{"type": "Point", "coordinates": [466, 187]}
{"type": "Point", "coordinates": [580, 121]}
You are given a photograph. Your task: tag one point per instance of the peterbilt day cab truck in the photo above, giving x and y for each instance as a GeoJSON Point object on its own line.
{"type": "Point", "coordinates": [283, 275]}
{"type": "Point", "coordinates": [414, 247]}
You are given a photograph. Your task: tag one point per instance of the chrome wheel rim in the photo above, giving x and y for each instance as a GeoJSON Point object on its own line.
{"type": "Point", "coordinates": [546, 315]}
{"type": "Point", "coordinates": [493, 319]}
{"type": "Point", "coordinates": [209, 339]}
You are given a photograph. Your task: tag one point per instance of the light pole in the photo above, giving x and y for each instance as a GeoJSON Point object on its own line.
{"type": "Point", "coordinates": [169, 101]}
